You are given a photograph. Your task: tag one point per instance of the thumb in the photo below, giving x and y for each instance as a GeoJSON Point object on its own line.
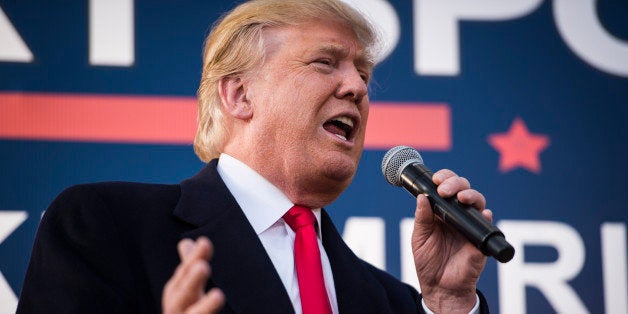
{"type": "Point", "coordinates": [423, 215]}
{"type": "Point", "coordinates": [424, 220]}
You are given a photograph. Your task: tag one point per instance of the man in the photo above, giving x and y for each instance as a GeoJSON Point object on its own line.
{"type": "Point", "coordinates": [283, 105]}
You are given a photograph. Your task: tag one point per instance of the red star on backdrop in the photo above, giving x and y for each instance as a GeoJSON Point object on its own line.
{"type": "Point", "coordinates": [518, 148]}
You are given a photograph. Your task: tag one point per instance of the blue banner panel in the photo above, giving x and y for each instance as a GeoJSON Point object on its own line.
{"type": "Point", "coordinates": [525, 98]}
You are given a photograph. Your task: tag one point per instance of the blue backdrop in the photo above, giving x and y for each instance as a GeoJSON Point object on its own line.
{"type": "Point", "coordinates": [536, 111]}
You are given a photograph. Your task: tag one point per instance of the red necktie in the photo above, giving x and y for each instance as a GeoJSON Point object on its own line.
{"type": "Point", "coordinates": [307, 258]}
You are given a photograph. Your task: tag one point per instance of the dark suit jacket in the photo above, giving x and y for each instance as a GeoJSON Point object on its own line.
{"type": "Point", "coordinates": [111, 247]}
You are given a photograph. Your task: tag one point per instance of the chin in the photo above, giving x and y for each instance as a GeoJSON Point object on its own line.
{"type": "Point", "coordinates": [340, 173]}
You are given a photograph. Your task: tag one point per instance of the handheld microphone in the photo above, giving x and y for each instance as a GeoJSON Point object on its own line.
{"type": "Point", "coordinates": [403, 166]}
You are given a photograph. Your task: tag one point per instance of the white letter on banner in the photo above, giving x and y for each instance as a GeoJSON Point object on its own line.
{"type": "Point", "coordinates": [549, 278]}
{"type": "Point", "coordinates": [581, 29]}
{"type": "Point", "coordinates": [614, 265]}
{"type": "Point", "coordinates": [111, 32]}
{"type": "Point", "coordinates": [365, 236]}
{"type": "Point", "coordinates": [383, 16]}
{"type": "Point", "coordinates": [9, 221]}
{"type": "Point", "coordinates": [408, 271]}
{"type": "Point", "coordinates": [13, 48]}
{"type": "Point", "coordinates": [436, 33]}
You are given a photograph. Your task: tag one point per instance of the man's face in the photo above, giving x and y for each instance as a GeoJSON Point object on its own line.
{"type": "Point", "coordinates": [310, 107]}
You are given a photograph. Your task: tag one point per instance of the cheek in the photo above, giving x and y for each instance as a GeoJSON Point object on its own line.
{"type": "Point", "coordinates": [317, 85]}
{"type": "Point", "coordinates": [364, 113]}
{"type": "Point", "coordinates": [365, 108]}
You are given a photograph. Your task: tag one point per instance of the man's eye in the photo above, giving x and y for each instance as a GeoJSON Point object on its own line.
{"type": "Point", "coordinates": [365, 76]}
{"type": "Point", "coordinates": [324, 61]}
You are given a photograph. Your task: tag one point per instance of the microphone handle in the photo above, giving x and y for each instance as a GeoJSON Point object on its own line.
{"type": "Point", "coordinates": [466, 219]}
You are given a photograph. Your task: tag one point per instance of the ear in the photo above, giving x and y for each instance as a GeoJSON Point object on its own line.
{"type": "Point", "coordinates": [234, 99]}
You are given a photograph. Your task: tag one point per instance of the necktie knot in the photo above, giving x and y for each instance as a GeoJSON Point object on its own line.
{"type": "Point", "coordinates": [299, 216]}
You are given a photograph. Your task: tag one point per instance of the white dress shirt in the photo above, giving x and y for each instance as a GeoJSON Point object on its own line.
{"type": "Point", "coordinates": [264, 207]}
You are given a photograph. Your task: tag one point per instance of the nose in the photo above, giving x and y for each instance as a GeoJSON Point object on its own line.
{"type": "Point", "coordinates": [352, 85]}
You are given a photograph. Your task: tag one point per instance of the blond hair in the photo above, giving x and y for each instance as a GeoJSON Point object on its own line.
{"type": "Point", "coordinates": [235, 46]}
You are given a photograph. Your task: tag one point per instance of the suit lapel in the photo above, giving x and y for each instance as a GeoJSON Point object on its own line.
{"type": "Point", "coordinates": [240, 265]}
{"type": "Point", "coordinates": [357, 290]}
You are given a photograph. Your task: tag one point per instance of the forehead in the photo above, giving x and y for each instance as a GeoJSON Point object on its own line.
{"type": "Point", "coordinates": [315, 36]}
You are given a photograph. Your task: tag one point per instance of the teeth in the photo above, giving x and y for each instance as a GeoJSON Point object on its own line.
{"type": "Point", "coordinates": [341, 137]}
{"type": "Point", "coordinates": [345, 120]}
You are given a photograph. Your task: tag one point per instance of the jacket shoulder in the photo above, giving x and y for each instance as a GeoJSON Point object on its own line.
{"type": "Point", "coordinates": [120, 190]}
{"type": "Point", "coordinates": [116, 196]}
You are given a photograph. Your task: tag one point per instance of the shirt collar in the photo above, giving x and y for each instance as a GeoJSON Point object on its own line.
{"type": "Point", "coordinates": [263, 203]}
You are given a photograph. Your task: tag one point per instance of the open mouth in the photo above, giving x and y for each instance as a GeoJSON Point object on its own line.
{"type": "Point", "coordinates": [342, 127]}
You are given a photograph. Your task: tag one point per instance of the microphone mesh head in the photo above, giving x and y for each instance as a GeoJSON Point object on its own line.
{"type": "Point", "coordinates": [395, 160]}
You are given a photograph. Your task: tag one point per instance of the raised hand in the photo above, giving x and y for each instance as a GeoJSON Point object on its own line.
{"type": "Point", "coordinates": [185, 291]}
{"type": "Point", "coordinates": [447, 264]}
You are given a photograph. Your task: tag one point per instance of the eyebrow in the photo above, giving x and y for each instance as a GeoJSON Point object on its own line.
{"type": "Point", "coordinates": [361, 59]}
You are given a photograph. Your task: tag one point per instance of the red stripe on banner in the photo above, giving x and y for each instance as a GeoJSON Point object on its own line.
{"type": "Point", "coordinates": [97, 118]}
{"type": "Point", "coordinates": [172, 120]}
{"type": "Point", "coordinates": [426, 126]}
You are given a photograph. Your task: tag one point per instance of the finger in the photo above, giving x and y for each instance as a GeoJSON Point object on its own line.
{"type": "Point", "coordinates": [190, 252]}
{"type": "Point", "coordinates": [185, 247]}
{"type": "Point", "coordinates": [187, 284]}
{"type": "Point", "coordinates": [441, 175]}
{"type": "Point", "coordinates": [488, 214]}
{"type": "Point", "coordinates": [193, 282]}
{"type": "Point", "coordinates": [202, 249]}
{"type": "Point", "coordinates": [453, 185]}
{"type": "Point", "coordinates": [183, 291]}
{"type": "Point", "coordinates": [211, 302]}
{"type": "Point", "coordinates": [473, 198]}
{"type": "Point", "coordinates": [193, 266]}
{"type": "Point", "coordinates": [190, 249]}
{"type": "Point", "coordinates": [210, 248]}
